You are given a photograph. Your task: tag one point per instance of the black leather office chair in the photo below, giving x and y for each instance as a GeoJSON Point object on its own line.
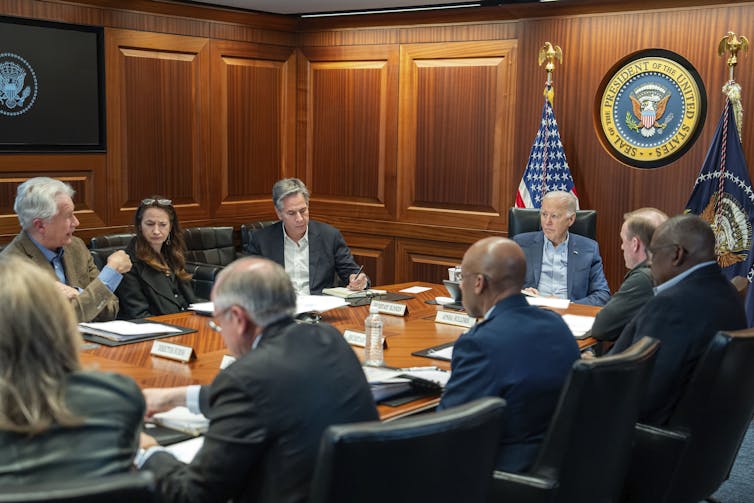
{"type": "Point", "coordinates": [123, 488]}
{"type": "Point", "coordinates": [522, 220]}
{"type": "Point", "coordinates": [442, 457]}
{"type": "Point", "coordinates": [248, 228]}
{"type": "Point", "coordinates": [587, 448]}
{"type": "Point", "coordinates": [210, 245]}
{"type": "Point", "coordinates": [101, 247]}
{"type": "Point", "coordinates": [687, 459]}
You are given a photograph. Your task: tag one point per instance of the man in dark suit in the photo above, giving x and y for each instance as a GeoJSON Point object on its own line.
{"type": "Point", "coordinates": [268, 409]}
{"type": "Point", "coordinates": [311, 252]}
{"type": "Point", "coordinates": [693, 301]}
{"type": "Point", "coordinates": [45, 209]}
{"type": "Point", "coordinates": [561, 264]}
{"type": "Point", "coordinates": [518, 352]}
{"type": "Point", "coordinates": [636, 290]}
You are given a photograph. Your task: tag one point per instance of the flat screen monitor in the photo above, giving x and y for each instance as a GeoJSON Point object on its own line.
{"type": "Point", "coordinates": [51, 86]}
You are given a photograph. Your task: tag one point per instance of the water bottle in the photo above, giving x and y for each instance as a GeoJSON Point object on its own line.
{"type": "Point", "coordinates": [373, 344]}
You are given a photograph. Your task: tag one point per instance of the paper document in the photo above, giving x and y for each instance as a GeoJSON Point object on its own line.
{"type": "Point", "coordinates": [579, 325]}
{"type": "Point", "coordinates": [179, 418]}
{"type": "Point", "coordinates": [318, 303]}
{"type": "Point", "coordinates": [347, 293]}
{"type": "Point", "coordinates": [206, 308]}
{"type": "Point", "coordinates": [442, 354]}
{"type": "Point", "coordinates": [123, 330]}
{"type": "Point", "coordinates": [415, 289]}
{"type": "Point", "coordinates": [186, 450]}
{"type": "Point", "coordinates": [435, 375]}
{"type": "Point", "coordinates": [548, 302]}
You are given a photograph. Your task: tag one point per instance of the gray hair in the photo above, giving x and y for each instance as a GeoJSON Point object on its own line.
{"type": "Point", "coordinates": [567, 198]}
{"type": "Point", "coordinates": [288, 187]}
{"type": "Point", "coordinates": [261, 287]}
{"type": "Point", "coordinates": [35, 198]}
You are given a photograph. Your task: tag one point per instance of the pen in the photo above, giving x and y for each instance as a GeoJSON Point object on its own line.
{"type": "Point", "coordinates": [361, 269]}
{"type": "Point", "coordinates": [414, 369]}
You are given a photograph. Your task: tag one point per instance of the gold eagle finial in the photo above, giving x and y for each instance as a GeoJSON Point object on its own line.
{"type": "Point", "coordinates": [732, 43]}
{"type": "Point", "coordinates": [549, 53]}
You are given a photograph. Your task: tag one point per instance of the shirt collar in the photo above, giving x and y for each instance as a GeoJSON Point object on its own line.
{"type": "Point", "coordinates": [304, 239]}
{"type": "Point", "coordinates": [677, 279]}
{"type": "Point", "coordinates": [48, 254]}
{"type": "Point", "coordinates": [548, 243]}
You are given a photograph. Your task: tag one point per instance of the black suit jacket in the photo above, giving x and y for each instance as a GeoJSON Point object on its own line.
{"type": "Point", "coordinates": [328, 253]}
{"type": "Point", "coordinates": [267, 412]}
{"type": "Point", "coordinates": [145, 291]}
{"type": "Point", "coordinates": [684, 318]}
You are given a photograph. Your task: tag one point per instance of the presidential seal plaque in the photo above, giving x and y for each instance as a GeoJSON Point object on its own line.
{"type": "Point", "coordinates": [651, 108]}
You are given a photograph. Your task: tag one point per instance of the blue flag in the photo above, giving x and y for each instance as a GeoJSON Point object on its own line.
{"type": "Point", "coordinates": [724, 198]}
{"type": "Point", "coordinates": [547, 169]}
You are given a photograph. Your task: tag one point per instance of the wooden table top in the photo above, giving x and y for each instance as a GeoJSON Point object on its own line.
{"type": "Point", "coordinates": [416, 330]}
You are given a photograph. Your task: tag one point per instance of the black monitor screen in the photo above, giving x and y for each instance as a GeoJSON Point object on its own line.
{"type": "Point", "coordinates": [51, 86]}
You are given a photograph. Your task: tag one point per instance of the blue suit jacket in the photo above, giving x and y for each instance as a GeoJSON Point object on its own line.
{"type": "Point", "coordinates": [522, 354]}
{"type": "Point", "coordinates": [585, 277]}
{"type": "Point", "coordinates": [328, 253]}
{"type": "Point", "coordinates": [684, 318]}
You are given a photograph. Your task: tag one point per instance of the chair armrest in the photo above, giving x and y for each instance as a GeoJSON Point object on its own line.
{"type": "Point", "coordinates": [655, 458]}
{"type": "Point", "coordinates": [521, 488]}
{"type": "Point", "coordinates": [203, 277]}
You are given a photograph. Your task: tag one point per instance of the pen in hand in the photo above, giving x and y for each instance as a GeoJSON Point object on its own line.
{"type": "Point", "coordinates": [352, 284]}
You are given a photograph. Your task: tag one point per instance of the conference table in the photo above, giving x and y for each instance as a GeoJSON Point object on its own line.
{"type": "Point", "coordinates": [414, 331]}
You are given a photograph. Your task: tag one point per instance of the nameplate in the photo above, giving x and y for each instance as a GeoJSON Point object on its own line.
{"type": "Point", "coordinates": [392, 308]}
{"type": "Point", "coordinates": [172, 351]}
{"type": "Point", "coordinates": [359, 339]}
{"type": "Point", "coordinates": [226, 361]}
{"type": "Point", "coordinates": [458, 319]}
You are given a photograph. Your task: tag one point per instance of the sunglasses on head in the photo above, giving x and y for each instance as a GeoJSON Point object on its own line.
{"type": "Point", "coordinates": [161, 202]}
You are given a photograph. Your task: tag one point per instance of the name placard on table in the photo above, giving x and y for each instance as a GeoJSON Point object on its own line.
{"type": "Point", "coordinates": [457, 319]}
{"type": "Point", "coordinates": [392, 308]}
{"type": "Point", "coordinates": [172, 351]}
{"type": "Point", "coordinates": [359, 339]}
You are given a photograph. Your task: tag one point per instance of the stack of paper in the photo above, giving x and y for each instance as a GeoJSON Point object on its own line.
{"type": "Point", "coordinates": [547, 302]}
{"type": "Point", "coordinates": [181, 419]}
{"type": "Point", "coordinates": [579, 325]}
{"type": "Point", "coordinates": [123, 330]}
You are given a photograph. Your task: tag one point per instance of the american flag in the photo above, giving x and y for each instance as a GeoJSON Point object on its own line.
{"type": "Point", "coordinates": [547, 169]}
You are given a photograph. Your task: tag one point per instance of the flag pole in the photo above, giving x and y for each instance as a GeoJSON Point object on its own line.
{"type": "Point", "coordinates": [549, 53]}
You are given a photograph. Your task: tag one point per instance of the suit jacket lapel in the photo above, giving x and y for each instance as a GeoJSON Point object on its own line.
{"type": "Point", "coordinates": [536, 267]}
{"type": "Point", "coordinates": [157, 281]}
{"type": "Point", "coordinates": [277, 251]}
{"type": "Point", "coordinates": [315, 254]}
{"type": "Point", "coordinates": [34, 254]}
{"type": "Point", "coordinates": [573, 256]}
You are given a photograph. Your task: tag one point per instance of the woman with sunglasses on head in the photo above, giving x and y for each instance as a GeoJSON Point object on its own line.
{"type": "Point", "coordinates": [158, 282]}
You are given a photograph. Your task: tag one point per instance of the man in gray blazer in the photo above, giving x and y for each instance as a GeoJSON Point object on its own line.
{"type": "Point", "coordinates": [560, 264]}
{"type": "Point", "coordinates": [311, 252]}
{"type": "Point", "coordinates": [268, 409]}
{"type": "Point", "coordinates": [46, 212]}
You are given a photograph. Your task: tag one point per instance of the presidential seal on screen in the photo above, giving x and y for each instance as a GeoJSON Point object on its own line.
{"type": "Point", "coordinates": [651, 108]}
{"type": "Point", "coordinates": [18, 85]}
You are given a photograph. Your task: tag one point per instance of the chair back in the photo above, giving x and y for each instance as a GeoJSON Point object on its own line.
{"type": "Point", "coordinates": [117, 241]}
{"type": "Point", "coordinates": [522, 220]}
{"type": "Point", "coordinates": [122, 488]}
{"type": "Point", "coordinates": [713, 416]}
{"type": "Point", "coordinates": [600, 400]}
{"type": "Point", "coordinates": [442, 457]}
{"type": "Point", "coordinates": [210, 245]}
{"type": "Point", "coordinates": [248, 229]}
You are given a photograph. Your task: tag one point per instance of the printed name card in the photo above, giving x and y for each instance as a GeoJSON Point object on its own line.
{"type": "Point", "coordinates": [392, 308]}
{"type": "Point", "coordinates": [359, 339]}
{"type": "Point", "coordinates": [458, 319]}
{"type": "Point", "coordinates": [226, 361]}
{"type": "Point", "coordinates": [172, 351]}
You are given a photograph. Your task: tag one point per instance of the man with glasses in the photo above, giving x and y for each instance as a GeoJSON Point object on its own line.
{"type": "Point", "coordinates": [561, 264]}
{"type": "Point", "coordinates": [693, 301]}
{"type": "Point", "coordinates": [268, 409]}
{"type": "Point", "coordinates": [518, 352]}
{"type": "Point", "coordinates": [312, 252]}
{"type": "Point", "coordinates": [636, 290]}
{"type": "Point", "coordinates": [45, 210]}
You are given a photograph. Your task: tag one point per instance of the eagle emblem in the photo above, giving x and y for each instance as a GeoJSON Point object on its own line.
{"type": "Point", "coordinates": [15, 95]}
{"type": "Point", "coordinates": [732, 229]}
{"type": "Point", "coordinates": [648, 103]}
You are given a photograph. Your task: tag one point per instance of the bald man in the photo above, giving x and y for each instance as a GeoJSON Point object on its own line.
{"type": "Point", "coordinates": [636, 290]}
{"type": "Point", "coordinates": [693, 301]}
{"type": "Point", "coordinates": [517, 352]}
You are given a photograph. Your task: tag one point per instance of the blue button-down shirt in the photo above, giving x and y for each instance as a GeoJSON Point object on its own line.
{"type": "Point", "coordinates": [553, 276]}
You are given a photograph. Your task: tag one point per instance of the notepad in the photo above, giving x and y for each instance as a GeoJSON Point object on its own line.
{"type": "Point", "coordinates": [346, 293]}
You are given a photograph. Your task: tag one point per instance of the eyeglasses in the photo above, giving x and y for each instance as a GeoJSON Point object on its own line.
{"type": "Point", "coordinates": [161, 202]}
{"type": "Point", "coordinates": [215, 326]}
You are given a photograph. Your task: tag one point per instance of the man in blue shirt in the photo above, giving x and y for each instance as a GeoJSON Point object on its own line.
{"type": "Point", "coordinates": [45, 210]}
{"type": "Point", "coordinates": [519, 352]}
{"type": "Point", "coordinates": [561, 264]}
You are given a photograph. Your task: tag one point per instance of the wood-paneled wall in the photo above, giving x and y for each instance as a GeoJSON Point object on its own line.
{"type": "Point", "coordinates": [411, 132]}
